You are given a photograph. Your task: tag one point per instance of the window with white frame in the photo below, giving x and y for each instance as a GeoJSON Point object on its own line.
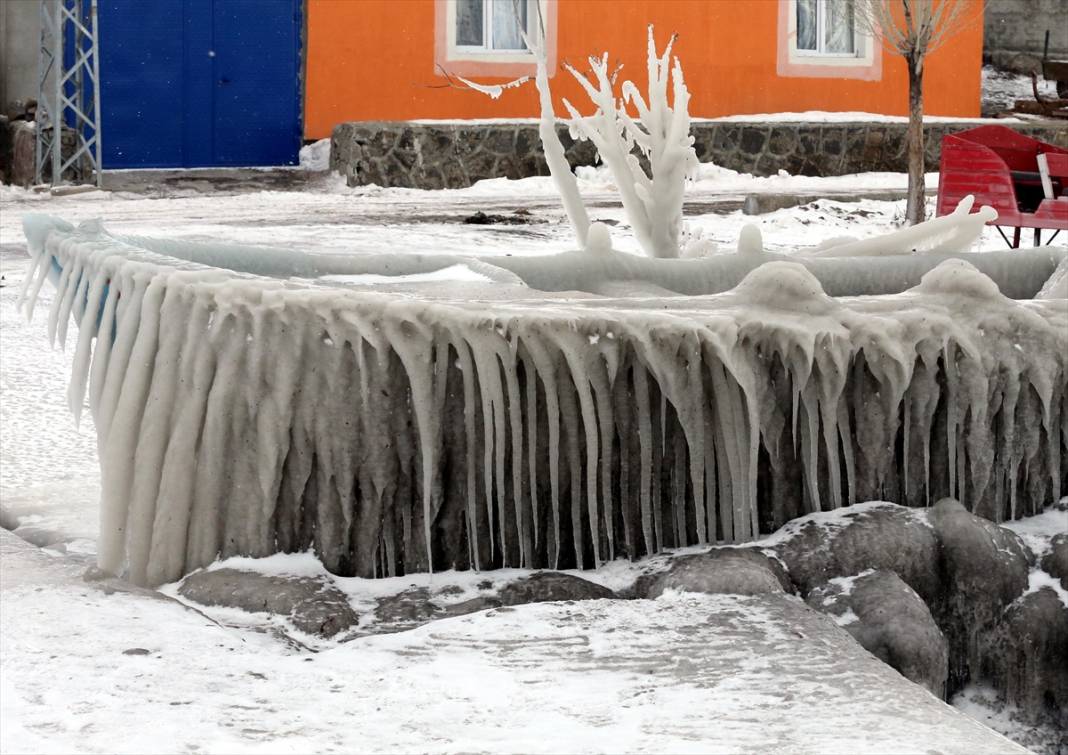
{"type": "Point", "coordinates": [826, 28]}
{"type": "Point", "coordinates": [492, 26]}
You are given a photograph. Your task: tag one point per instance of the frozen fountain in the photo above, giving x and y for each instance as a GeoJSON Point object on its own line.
{"type": "Point", "coordinates": [570, 409]}
{"type": "Point", "coordinates": [560, 410]}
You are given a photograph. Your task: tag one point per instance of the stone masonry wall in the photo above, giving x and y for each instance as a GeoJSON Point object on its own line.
{"type": "Point", "coordinates": [436, 156]}
{"type": "Point", "coordinates": [1020, 26]}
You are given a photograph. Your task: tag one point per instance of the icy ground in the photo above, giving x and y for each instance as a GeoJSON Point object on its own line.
{"type": "Point", "coordinates": [81, 670]}
{"type": "Point", "coordinates": [1001, 89]}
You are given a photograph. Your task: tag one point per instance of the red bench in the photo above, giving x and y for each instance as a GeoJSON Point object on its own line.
{"type": "Point", "coordinates": [1000, 167]}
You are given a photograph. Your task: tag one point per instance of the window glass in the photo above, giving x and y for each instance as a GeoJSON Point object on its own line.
{"type": "Point", "coordinates": [509, 21]}
{"type": "Point", "coordinates": [806, 24]}
{"type": "Point", "coordinates": [469, 22]}
{"type": "Point", "coordinates": [838, 26]}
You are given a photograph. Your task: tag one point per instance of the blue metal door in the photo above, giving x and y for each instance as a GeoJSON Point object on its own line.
{"type": "Point", "coordinates": [200, 83]}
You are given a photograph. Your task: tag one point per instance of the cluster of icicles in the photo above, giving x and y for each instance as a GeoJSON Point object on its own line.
{"type": "Point", "coordinates": [404, 431]}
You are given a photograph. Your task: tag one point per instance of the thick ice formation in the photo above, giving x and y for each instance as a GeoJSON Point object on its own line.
{"type": "Point", "coordinates": [489, 424]}
{"type": "Point", "coordinates": [948, 233]}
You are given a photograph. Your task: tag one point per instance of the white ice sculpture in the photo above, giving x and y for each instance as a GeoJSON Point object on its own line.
{"type": "Point", "coordinates": [651, 193]}
{"type": "Point", "coordinates": [247, 411]}
{"type": "Point", "coordinates": [652, 197]}
{"type": "Point", "coordinates": [955, 232]}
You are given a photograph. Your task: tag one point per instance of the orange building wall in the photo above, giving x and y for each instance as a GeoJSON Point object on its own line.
{"type": "Point", "coordinates": [374, 60]}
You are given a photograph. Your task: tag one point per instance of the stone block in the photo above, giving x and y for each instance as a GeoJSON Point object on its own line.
{"type": "Point", "coordinates": [753, 140]}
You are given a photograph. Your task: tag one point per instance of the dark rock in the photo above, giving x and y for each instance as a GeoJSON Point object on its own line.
{"type": "Point", "coordinates": [892, 623]}
{"type": "Point", "coordinates": [546, 586]}
{"type": "Point", "coordinates": [527, 141]}
{"type": "Point", "coordinates": [408, 609]}
{"type": "Point", "coordinates": [479, 165]}
{"type": "Point", "coordinates": [417, 606]}
{"type": "Point", "coordinates": [453, 175]}
{"type": "Point", "coordinates": [768, 165]}
{"type": "Point", "coordinates": [1026, 658]}
{"type": "Point", "coordinates": [1056, 561]}
{"type": "Point", "coordinates": [313, 605]}
{"type": "Point", "coordinates": [833, 140]}
{"type": "Point", "coordinates": [8, 520]}
{"type": "Point", "coordinates": [406, 159]}
{"type": "Point", "coordinates": [508, 167]}
{"type": "Point", "coordinates": [733, 571]}
{"type": "Point", "coordinates": [703, 142]}
{"type": "Point", "coordinates": [136, 651]}
{"type": "Point", "coordinates": [809, 141]}
{"type": "Point", "coordinates": [379, 138]}
{"type": "Point", "coordinates": [468, 140]}
{"type": "Point", "coordinates": [726, 138]}
{"type": "Point", "coordinates": [985, 569]}
{"type": "Point", "coordinates": [481, 218]}
{"type": "Point", "coordinates": [500, 141]}
{"type": "Point", "coordinates": [891, 538]}
{"type": "Point", "coordinates": [752, 140]}
{"type": "Point", "coordinates": [783, 141]}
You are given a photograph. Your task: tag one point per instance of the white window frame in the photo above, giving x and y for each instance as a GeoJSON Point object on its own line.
{"type": "Point", "coordinates": [863, 44]}
{"type": "Point", "coordinates": [821, 35]}
{"type": "Point", "coordinates": [484, 52]}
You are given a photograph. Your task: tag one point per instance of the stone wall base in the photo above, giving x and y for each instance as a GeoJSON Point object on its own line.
{"type": "Point", "coordinates": [448, 155]}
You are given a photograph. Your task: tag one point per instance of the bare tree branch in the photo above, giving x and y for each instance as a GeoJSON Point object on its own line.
{"type": "Point", "coordinates": [916, 27]}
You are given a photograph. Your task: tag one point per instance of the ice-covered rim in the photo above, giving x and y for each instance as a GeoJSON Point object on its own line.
{"type": "Point", "coordinates": [242, 412]}
{"type": "Point", "coordinates": [883, 269]}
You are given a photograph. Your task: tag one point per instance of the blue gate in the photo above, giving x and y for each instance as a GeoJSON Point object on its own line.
{"type": "Point", "coordinates": [200, 83]}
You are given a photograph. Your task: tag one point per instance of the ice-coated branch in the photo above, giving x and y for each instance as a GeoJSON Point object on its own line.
{"type": "Point", "coordinates": [555, 156]}
{"type": "Point", "coordinates": [651, 192]}
{"type": "Point", "coordinates": [652, 197]}
{"type": "Point", "coordinates": [942, 235]}
{"type": "Point", "coordinates": [494, 91]}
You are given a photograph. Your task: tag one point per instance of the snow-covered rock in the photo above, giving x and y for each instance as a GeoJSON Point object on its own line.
{"type": "Point", "coordinates": [314, 606]}
{"type": "Point", "coordinates": [1025, 657]}
{"type": "Point", "coordinates": [1055, 562]}
{"type": "Point", "coordinates": [985, 569]}
{"type": "Point", "coordinates": [727, 571]}
{"type": "Point", "coordinates": [889, 620]}
{"type": "Point", "coordinates": [875, 536]}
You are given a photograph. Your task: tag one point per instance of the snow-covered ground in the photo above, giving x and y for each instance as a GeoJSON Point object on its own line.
{"type": "Point", "coordinates": [322, 214]}
{"type": "Point", "coordinates": [85, 671]}
{"type": "Point", "coordinates": [89, 672]}
{"type": "Point", "coordinates": [1001, 89]}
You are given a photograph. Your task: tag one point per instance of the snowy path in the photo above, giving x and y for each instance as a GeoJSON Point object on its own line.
{"type": "Point", "coordinates": [88, 672]}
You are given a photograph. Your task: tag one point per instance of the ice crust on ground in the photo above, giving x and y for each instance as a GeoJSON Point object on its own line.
{"type": "Point", "coordinates": [242, 414]}
{"type": "Point", "coordinates": [602, 676]}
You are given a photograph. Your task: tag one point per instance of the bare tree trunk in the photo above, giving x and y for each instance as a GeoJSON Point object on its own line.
{"type": "Point", "coordinates": [915, 209]}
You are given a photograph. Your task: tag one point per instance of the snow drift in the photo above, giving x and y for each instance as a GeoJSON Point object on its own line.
{"type": "Point", "coordinates": [569, 412]}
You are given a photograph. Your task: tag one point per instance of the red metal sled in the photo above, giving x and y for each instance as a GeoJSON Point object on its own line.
{"type": "Point", "coordinates": [1002, 168]}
